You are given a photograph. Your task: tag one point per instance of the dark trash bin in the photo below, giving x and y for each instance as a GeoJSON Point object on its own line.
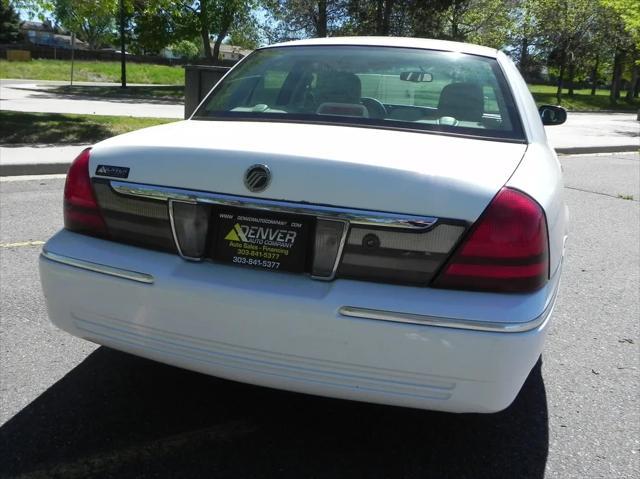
{"type": "Point", "coordinates": [198, 81]}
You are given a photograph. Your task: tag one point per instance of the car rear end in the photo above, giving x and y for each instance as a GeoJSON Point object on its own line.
{"type": "Point", "coordinates": [376, 264]}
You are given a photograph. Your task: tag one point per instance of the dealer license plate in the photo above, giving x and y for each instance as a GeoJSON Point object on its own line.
{"type": "Point", "coordinates": [261, 240]}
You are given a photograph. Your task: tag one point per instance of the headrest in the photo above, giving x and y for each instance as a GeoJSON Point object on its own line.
{"type": "Point", "coordinates": [463, 101]}
{"type": "Point", "coordinates": [338, 87]}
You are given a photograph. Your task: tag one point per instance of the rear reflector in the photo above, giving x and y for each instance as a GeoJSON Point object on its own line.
{"type": "Point", "coordinates": [505, 251]}
{"type": "Point", "coordinates": [81, 211]}
{"type": "Point", "coordinates": [398, 255]}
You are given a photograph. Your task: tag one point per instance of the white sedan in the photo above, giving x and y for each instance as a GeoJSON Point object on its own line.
{"type": "Point", "coordinates": [375, 219]}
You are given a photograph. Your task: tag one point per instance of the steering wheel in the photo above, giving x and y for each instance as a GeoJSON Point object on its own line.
{"type": "Point", "coordinates": [375, 107]}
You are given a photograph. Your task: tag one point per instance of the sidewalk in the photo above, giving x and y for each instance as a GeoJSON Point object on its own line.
{"type": "Point", "coordinates": [596, 133]}
{"type": "Point", "coordinates": [37, 160]}
{"type": "Point", "coordinates": [34, 96]}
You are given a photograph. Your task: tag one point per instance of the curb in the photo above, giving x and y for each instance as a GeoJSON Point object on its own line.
{"type": "Point", "coordinates": [61, 168]}
{"type": "Point", "coordinates": [630, 112]}
{"type": "Point", "coordinates": [34, 169]}
{"type": "Point", "coordinates": [585, 150]}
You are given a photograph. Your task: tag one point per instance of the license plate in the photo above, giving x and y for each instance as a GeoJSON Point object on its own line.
{"type": "Point", "coordinates": [261, 240]}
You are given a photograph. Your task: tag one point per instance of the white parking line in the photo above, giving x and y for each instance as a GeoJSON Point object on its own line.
{"type": "Point", "coordinates": [22, 244]}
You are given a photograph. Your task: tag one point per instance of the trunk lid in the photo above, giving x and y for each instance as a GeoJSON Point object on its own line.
{"type": "Point", "coordinates": [363, 168]}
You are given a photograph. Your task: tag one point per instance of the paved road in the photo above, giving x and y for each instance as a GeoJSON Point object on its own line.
{"type": "Point", "coordinates": [72, 409]}
{"type": "Point", "coordinates": [33, 96]}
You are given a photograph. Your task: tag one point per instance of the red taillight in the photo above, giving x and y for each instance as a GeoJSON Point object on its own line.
{"type": "Point", "coordinates": [81, 211]}
{"type": "Point", "coordinates": [507, 250]}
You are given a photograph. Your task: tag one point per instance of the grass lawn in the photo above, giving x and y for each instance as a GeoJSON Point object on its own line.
{"type": "Point", "coordinates": [92, 71]}
{"type": "Point", "coordinates": [582, 99]}
{"type": "Point", "coordinates": [34, 128]}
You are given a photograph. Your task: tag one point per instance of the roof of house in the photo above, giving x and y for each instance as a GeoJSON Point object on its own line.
{"type": "Point", "coordinates": [66, 39]}
{"type": "Point", "coordinates": [40, 26]}
{"type": "Point", "coordinates": [226, 48]}
{"type": "Point", "coordinates": [405, 42]}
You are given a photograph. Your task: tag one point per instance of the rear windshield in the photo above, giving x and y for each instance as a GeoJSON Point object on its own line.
{"type": "Point", "coordinates": [369, 86]}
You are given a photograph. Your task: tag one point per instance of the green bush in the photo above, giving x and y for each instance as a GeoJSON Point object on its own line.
{"type": "Point", "coordinates": [185, 49]}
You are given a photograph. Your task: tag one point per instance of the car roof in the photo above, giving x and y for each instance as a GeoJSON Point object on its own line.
{"type": "Point", "coordinates": [405, 42]}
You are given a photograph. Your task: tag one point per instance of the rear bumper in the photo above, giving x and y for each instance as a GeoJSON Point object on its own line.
{"type": "Point", "coordinates": [286, 331]}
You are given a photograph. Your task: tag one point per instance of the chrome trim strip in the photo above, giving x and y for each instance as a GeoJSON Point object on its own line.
{"type": "Point", "coordinates": [424, 320]}
{"type": "Point", "coordinates": [354, 216]}
{"type": "Point", "coordinates": [175, 234]}
{"type": "Point", "coordinates": [343, 241]}
{"type": "Point", "coordinates": [99, 268]}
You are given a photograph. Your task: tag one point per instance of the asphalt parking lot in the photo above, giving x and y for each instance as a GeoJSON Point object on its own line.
{"type": "Point", "coordinates": [72, 409]}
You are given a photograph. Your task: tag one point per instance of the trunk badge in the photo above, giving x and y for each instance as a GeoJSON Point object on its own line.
{"type": "Point", "coordinates": [114, 171]}
{"type": "Point", "coordinates": [257, 178]}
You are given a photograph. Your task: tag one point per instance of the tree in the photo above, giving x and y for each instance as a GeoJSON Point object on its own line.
{"type": "Point", "coordinates": [217, 17]}
{"type": "Point", "coordinates": [245, 35]}
{"type": "Point", "coordinates": [9, 23]}
{"type": "Point", "coordinates": [563, 26]}
{"type": "Point", "coordinates": [524, 38]}
{"type": "Point", "coordinates": [374, 17]}
{"type": "Point", "coordinates": [422, 18]}
{"type": "Point", "coordinates": [153, 25]}
{"type": "Point", "coordinates": [185, 49]}
{"type": "Point", "coordinates": [627, 13]}
{"type": "Point", "coordinates": [486, 22]}
{"type": "Point", "coordinates": [481, 21]}
{"type": "Point", "coordinates": [93, 21]}
{"type": "Point", "coordinates": [292, 19]}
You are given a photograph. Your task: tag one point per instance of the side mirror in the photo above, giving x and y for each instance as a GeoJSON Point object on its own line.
{"type": "Point", "coordinates": [416, 77]}
{"type": "Point", "coordinates": [552, 115]}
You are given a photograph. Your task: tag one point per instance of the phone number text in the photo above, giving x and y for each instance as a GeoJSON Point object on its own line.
{"type": "Point", "coordinates": [256, 262]}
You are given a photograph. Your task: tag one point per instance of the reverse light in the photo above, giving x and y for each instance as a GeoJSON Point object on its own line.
{"type": "Point", "coordinates": [327, 247]}
{"type": "Point", "coordinates": [507, 250]}
{"type": "Point", "coordinates": [81, 211]}
{"type": "Point", "coordinates": [190, 223]}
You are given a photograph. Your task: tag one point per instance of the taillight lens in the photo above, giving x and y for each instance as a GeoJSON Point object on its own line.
{"type": "Point", "coordinates": [81, 211]}
{"type": "Point", "coordinates": [507, 250]}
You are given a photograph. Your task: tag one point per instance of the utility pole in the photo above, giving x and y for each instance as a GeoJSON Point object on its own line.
{"type": "Point", "coordinates": [123, 64]}
{"type": "Point", "coordinates": [73, 49]}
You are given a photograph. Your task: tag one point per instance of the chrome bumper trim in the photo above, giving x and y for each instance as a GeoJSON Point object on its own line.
{"type": "Point", "coordinates": [424, 320]}
{"type": "Point", "coordinates": [353, 216]}
{"type": "Point", "coordinates": [99, 268]}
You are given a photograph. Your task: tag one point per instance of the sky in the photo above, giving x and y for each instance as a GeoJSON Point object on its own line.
{"type": "Point", "coordinates": [25, 14]}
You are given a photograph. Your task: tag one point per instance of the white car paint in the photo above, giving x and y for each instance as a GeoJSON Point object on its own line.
{"type": "Point", "coordinates": [285, 330]}
{"type": "Point", "coordinates": [403, 42]}
{"type": "Point", "coordinates": [213, 155]}
{"type": "Point", "coordinates": [287, 333]}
